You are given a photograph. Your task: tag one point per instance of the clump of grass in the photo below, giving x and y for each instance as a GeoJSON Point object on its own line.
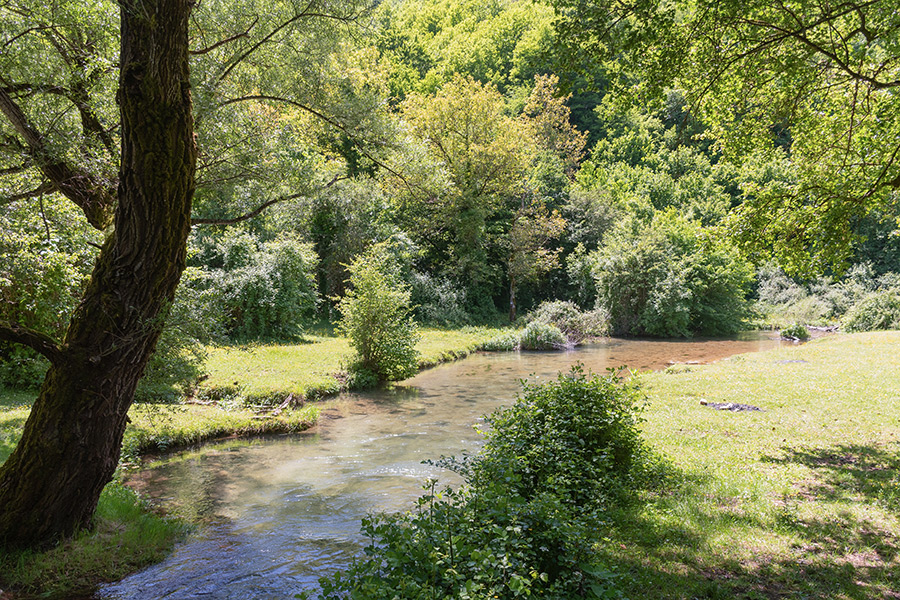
{"type": "Point", "coordinates": [125, 538]}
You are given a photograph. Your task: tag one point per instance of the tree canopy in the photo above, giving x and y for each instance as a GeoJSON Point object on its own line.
{"type": "Point", "coordinates": [813, 83]}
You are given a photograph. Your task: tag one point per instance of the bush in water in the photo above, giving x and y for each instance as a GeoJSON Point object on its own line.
{"type": "Point", "coordinates": [532, 507]}
{"type": "Point", "coordinates": [795, 332]}
{"type": "Point", "coordinates": [541, 336]}
{"type": "Point", "coordinates": [575, 324]}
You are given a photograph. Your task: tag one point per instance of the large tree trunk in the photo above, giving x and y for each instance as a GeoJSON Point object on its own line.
{"type": "Point", "coordinates": [70, 447]}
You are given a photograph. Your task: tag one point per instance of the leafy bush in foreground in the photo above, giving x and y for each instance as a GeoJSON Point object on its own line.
{"type": "Point", "coordinates": [532, 508]}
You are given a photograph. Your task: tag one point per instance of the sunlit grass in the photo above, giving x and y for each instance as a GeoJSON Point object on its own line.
{"type": "Point", "coordinates": [270, 373]}
{"type": "Point", "coordinates": [156, 428]}
{"type": "Point", "coordinates": [799, 500]}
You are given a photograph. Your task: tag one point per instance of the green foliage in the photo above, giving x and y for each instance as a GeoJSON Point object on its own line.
{"type": "Point", "coordinates": [437, 301]}
{"type": "Point", "coordinates": [672, 278]}
{"type": "Point", "coordinates": [878, 310]}
{"type": "Point", "coordinates": [795, 332]}
{"type": "Point", "coordinates": [507, 342]}
{"type": "Point", "coordinates": [426, 43]}
{"type": "Point", "coordinates": [533, 507]}
{"type": "Point", "coordinates": [542, 336]}
{"type": "Point", "coordinates": [576, 325]}
{"type": "Point", "coordinates": [805, 83]}
{"type": "Point", "coordinates": [376, 316]}
{"type": "Point", "coordinates": [825, 300]}
{"type": "Point", "coordinates": [47, 258]}
{"type": "Point", "coordinates": [266, 289]}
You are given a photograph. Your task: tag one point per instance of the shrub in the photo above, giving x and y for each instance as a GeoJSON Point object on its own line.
{"type": "Point", "coordinates": [267, 290]}
{"type": "Point", "coordinates": [672, 278]}
{"type": "Point", "coordinates": [437, 301]}
{"type": "Point", "coordinates": [576, 325]}
{"type": "Point", "coordinates": [541, 336]}
{"type": "Point", "coordinates": [795, 332]}
{"type": "Point", "coordinates": [503, 343]}
{"type": "Point", "coordinates": [879, 310]}
{"type": "Point", "coordinates": [375, 315]}
{"type": "Point", "coordinates": [532, 508]}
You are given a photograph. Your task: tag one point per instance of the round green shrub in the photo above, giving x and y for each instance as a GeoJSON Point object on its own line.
{"type": "Point", "coordinates": [541, 336]}
{"type": "Point", "coordinates": [879, 310]}
{"type": "Point", "coordinates": [795, 332]}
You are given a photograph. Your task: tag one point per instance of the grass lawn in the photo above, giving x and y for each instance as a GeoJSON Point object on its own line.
{"type": "Point", "coordinates": [798, 500]}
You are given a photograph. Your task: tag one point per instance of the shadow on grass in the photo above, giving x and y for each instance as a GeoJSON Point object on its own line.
{"type": "Point", "coordinates": [16, 398]}
{"type": "Point", "coordinates": [837, 547]}
{"type": "Point", "coordinates": [849, 473]}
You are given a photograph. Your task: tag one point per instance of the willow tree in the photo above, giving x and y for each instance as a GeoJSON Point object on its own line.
{"type": "Point", "coordinates": [69, 449]}
{"type": "Point", "coordinates": [99, 105]}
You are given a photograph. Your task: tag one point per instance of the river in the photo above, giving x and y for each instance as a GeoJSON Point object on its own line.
{"type": "Point", "coordinates": [277, 513]}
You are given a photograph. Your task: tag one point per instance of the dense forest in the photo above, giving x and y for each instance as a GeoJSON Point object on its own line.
{"type": "Point", "coordinates": [666, 172]}
{"type": "Point", "coordinates": [499, 167]}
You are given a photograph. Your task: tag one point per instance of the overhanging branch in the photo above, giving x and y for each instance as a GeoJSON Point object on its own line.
{"type": "Point", "coordinates": [40, 342]}
{"type": "Point", "coordinates": [96, 199]}
{"type": "Point", "coordinates": [259, 209]}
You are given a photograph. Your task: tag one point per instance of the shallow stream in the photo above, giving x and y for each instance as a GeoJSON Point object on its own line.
{"type": "Point", "coordinates": [280, 512]}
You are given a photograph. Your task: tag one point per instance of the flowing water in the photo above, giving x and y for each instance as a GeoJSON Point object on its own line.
{"type": "Point", "coordinates": [280, 512]}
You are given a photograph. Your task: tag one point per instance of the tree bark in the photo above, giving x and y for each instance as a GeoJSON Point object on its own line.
{"type": "Point", "coordinates": [70, 446]}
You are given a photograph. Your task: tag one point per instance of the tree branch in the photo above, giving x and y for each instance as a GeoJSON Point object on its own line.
{"type": "Point", "coordinates": [44, 188]}
{"type": "Point", "coordinates": [95, 198]}
{"type": "Point", "coordinates": [40, 342]}
{"type": "Point", "coordinates": [237, 36]}
{"type": "Point", "coordinates": [301, 15]}
{"type": "Point", "coordinates": [259, 209]}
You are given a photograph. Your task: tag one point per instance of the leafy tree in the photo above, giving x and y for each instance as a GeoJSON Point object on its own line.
{"type": "Point", "coordinates": [69, 449]}
{"type": "Point", "coordinates": [814, 82]}
{"type": "Point", "coordinates": [106, 120]}
{"type": "Point", "coordinates": [672, 278]}
{"type": "Point", "coordinates": [533, 228]}
{"type": "Point", "coordinates": [426, 44]}
{"type": "Point", "coordinates": [484, 154]}
{"type": "Point", "coordinates": [377, 317]}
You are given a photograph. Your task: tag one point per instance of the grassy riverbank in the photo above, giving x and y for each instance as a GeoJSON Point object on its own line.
{"type": "Point", "coordinates": [798, 500]}
{"type": "Point", "coordinates": [127, 536]}
{"type": "Point", "coordinates": [266, 374]}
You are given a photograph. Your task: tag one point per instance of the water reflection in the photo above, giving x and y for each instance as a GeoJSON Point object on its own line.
{"type": "Point", "coordinates": [283, 511]}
